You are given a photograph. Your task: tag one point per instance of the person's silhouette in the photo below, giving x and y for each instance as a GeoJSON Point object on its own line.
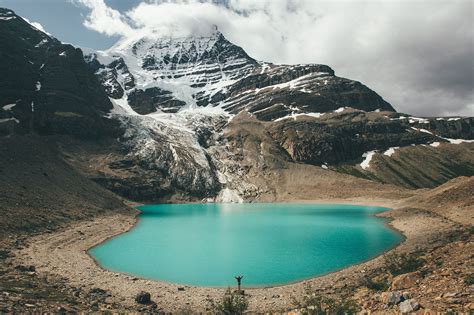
{"type": "Point", "coordinates": [239, 280]}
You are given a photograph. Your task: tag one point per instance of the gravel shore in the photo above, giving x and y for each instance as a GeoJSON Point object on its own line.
{"type": "Point", "coordinates": [64, 254]}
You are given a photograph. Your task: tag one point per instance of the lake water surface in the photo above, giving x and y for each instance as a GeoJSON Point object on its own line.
{"type": "Point", "coordinates": [269, 244]}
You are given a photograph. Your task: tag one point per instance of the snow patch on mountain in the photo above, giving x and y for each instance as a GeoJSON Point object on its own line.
{"type": "Point", "coordinates": [295, 115]}
{"type": "Point", "coordinates": [390, 151]}
{"type": "Point", "coordinates": [368, 157]}
{"type": "Point", "coordinates": [458, 141]}
{"type": "Point", "coordinates": [9, 119]}
{"type": "Point", "coordinates": [8, 106]}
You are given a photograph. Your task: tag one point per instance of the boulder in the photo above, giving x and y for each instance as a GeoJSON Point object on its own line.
{"type": "Point", "coordinates": [406, 280]}
{"type": "Point", "coordinates": [409, 306]}
{"type": "Point", "coordinates": [23, 268]}
{"type": "Point", "coordinates": [392, 298]}
{"type": "Point", "coordinates": [143, 298]}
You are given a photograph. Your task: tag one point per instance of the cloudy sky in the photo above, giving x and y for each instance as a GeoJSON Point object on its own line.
{"type": "Point", "coordinates": [417, 54]}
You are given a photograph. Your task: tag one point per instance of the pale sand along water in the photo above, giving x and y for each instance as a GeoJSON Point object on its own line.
{"type": "Point", "coordinates": [64, 253]}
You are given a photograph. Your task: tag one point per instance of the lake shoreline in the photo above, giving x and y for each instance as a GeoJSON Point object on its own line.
{"type": "Point", "coordinates": [382, 220]}
{"type": "Point", "coordinates": [65, 253]}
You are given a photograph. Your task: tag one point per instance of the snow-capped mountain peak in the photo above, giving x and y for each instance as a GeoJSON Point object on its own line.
{"type": "Point", "coordinates": [152, 74]}
{"type": "Point", "coordinates": [172, 69]}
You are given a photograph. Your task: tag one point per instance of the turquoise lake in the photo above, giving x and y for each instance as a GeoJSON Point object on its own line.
{"type": "Point", "coordinates": [269, 244]}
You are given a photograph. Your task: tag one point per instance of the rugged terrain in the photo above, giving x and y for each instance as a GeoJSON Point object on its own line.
{"type": "Point", "coordinates": [225, 119]}
{"type": "Point", "coordinates": [197, 119]}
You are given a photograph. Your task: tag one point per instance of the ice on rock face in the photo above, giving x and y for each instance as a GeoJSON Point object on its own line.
{"type": "Point", "coordinates": [166, 143]}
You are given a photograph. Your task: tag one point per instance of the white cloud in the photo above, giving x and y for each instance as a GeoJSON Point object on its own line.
{"type": "Point", "coordinates": [167, 19]}
{"type": "Point", "coordinates": [104, 19]}
{"type": "Point", "coordinates": [416, 54]}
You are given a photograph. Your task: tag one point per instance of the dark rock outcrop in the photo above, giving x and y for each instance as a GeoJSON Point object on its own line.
{"type": "Point", "coordinates": [143, 298]}
{"type": "Point", "coordinates": [342, 138]}
{"type": "Point", "coordinates": [46, 85]}
{"type": "Point", "coordinates": [153, 99]}
{"type": "Point", "coordinates": [114, 77]}
{"type": "Point", "coordinates": [449, 127]}
{"type": "Point", "coordinates": [283, 90]}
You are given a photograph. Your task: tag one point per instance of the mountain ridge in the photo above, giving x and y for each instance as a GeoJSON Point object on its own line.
{"type": "Point", "coordinates": [173, 71]}
{"type": "Point", "coordinates": [178, 121]}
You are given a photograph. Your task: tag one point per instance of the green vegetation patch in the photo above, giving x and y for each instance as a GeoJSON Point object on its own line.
{"type": "Point", "coordinates": [234, 303]}
{"type": "Point", "coordinates": [68, 114]}
{"type": "Point", "coordinates": [400, 264]}
{"type": "Point", "coordinates": [317, 304]}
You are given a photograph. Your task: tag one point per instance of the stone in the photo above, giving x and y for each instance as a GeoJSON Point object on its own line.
{"type": "Point", "coordinates": [392, 298]}
{"type": "Point", "coordinates": [97, 292]}
{"type": "Point", "coordinates": [405, 281]}
{"type": "Point", "coordinates": [25, 268]}
{"type": "Point", "coordinates": [409, 306]}
{"type": "Point", "coordinates": [450, 294]}
{"type": "Point", "coordinates": [143, 298]}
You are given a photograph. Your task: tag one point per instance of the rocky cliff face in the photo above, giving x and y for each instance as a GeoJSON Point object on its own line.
{"type": "Point", "coordinates": [46, 86]}
{"type": "Point", "coordinates": [343, 137]}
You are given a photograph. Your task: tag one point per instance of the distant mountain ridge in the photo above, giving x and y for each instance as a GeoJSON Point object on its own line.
{"type": "Point", "coordinates": [171, 73]}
